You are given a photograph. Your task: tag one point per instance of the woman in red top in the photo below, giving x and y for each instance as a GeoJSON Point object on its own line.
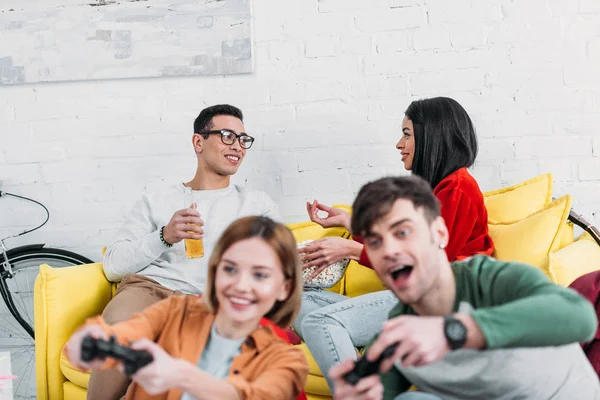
{"type": "Point", "coordinates": [438, 143]}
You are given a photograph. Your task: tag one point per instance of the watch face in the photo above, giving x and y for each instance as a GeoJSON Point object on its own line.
{"type": "Point", "coordinates": [456, 331]}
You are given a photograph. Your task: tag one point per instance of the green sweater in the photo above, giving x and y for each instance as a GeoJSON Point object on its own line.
{"type": "Point", "coordinates": [532, 328]}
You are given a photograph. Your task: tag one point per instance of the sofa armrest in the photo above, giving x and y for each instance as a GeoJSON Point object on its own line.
{"type": "Point", "coordinates": [63, 299]}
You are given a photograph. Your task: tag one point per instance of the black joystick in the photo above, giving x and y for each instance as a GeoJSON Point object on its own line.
{"type": "Point", "coordinates": [364, 367]}
{"type": "Point", "coordinates": [133, 360]}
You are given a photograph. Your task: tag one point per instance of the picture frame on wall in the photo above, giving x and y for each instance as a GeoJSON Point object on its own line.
{"type": "Point", "coordinates": [74, 40]}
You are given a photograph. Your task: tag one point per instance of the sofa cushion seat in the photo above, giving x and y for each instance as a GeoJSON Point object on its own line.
{"type": "Point", "coordinates": [73, 374]}
{"type": "Point", "coordinates": [578, 259]}
{"type": "Point", "coordinates": [74, 392]}
{"type": "Point", "coordinates": [316, 385]}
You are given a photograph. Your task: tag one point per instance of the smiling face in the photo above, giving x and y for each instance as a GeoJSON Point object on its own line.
{"type": "Point", "coordinates": [406, 144]}
{"type": "Point", "coordinates": [404, 249]}
{"type": "Point", "coordinates": [249, 280]}
{"type": "Point", "coordinates": [213, 154]}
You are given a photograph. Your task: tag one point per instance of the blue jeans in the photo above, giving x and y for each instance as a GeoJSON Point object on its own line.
{"type": "Point", "coordinates": [333, 325]}
{"type": "Point", "coordinates": [416, 396]}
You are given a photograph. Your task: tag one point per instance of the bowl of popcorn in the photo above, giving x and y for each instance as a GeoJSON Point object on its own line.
{"type": "Point", "coordinates": [326, 278]}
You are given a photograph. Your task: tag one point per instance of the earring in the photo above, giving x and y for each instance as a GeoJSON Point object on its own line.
{"type": "Point", "coordinates": [442, 246]}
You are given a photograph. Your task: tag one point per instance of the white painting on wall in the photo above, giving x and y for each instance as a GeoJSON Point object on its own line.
{"type": "Point", "coordinates": [52, 40]}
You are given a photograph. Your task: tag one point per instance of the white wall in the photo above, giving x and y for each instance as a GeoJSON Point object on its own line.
{"type": "Point", "coordinates": [331, 83]}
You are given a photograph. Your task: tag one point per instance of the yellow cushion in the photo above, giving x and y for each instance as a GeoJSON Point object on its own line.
{"type": "Point", "coordinates": [586, 236]}
{"type": "Point", "coordinates": [575, 260]}
{"type": "Point", "coordinates": [310, 396]}
{"type": "Point", "coordinates": [518, 201]}
{"type": "Point", "coordinates": [74, 392]}
{"type": "Point", "coordinates": [345, 207]}
{"type": "Point", "coordinates": [74, 375]}
{"type": "Point", "coordinates": [310, 231]}
{"type": "Point", "coordinates": [317, 385]}
{"type": "Point", "coordinates": [568, 235]}
{"type": "Point", "coordinates": [361, 280]}
{"type": "Point", "coordinates": [57, 316]}
{"type": "Point", "coordinates": [532, 239]}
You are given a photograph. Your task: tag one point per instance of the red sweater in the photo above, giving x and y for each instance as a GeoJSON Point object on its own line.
{"type": "Point", "coordinates": [588, 286]}
{"type": "Point", "coordinates": [465, 214]}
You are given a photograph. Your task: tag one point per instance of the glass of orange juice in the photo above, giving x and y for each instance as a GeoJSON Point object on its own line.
{"type": "Point", "coordinates": [194, 248]}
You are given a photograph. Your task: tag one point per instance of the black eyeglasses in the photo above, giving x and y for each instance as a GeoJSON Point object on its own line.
{"type": "Point", "coordinates": [228, 137]}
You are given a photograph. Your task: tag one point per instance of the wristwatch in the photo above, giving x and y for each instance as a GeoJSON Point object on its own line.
{"type": "Point", "coordinates": [455, 332]}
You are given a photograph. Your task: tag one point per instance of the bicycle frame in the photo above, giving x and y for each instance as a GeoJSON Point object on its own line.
{"type": "Point", "coordinates": [7, 273]}
{"type": "Point", "coordinates": [578, 220]}
{"type": "Point", "coordinates": [6, 267]}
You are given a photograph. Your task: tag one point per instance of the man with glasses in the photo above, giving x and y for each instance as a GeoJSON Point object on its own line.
{"type": "Point", "coordinates": [148, 256]}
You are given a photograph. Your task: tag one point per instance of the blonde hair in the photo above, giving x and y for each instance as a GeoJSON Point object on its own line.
{"type": "Point", "coordinates": [281, 240]}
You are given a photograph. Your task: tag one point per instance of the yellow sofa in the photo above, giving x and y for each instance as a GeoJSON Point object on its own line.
{"type": "Point", "coordinates": [526, 225]}
{"type": "Point", "coordinates": [65, 297]}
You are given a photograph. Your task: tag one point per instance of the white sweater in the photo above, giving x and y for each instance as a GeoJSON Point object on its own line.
{"type": "Point", "coordinates": [138, 249]}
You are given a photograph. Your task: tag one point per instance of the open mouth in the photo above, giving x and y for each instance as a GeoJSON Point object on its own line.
{"type": "Point", "coordinates": [240, 303]}
{"type": "Point", "coordinates": [233, 159]}
{"type": "Point", "coordinates": [238, 300]}
{"type": "Point", "coordinates": [401, 273]}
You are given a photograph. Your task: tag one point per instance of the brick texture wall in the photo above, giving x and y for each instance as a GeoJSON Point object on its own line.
{"type": "Point", "coordinates": [332, 80]}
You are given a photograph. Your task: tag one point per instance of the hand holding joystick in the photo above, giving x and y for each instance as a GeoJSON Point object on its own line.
{"type": "Point", "coordinates": [133, 360]}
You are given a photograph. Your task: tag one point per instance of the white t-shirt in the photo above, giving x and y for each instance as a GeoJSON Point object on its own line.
{"type": "Point", "coordinates": [137, 249]}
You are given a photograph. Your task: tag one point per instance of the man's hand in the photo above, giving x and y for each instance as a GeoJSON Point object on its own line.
{"type": "Point", "coordinates": [335, 217]}
{"type": "Point", "coordinates": [368, 388]}
{"type": "Point", "coordinates": [326, 251]}
{"type": "Point", "coordinates": [162, 373]}
{"type": "Point", "coordinates": [184, 224]}
{"type": "Point", "coordinates": [73, 346]}
{"type": "Point", "coordinates": [421, 341]}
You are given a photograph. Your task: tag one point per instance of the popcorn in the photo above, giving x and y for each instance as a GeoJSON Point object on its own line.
{"type": "Point", "coordinates": [326, 278]}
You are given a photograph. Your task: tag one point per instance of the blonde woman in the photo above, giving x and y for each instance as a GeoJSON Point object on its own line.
{"type": "Point", "coordinates": [216, 348]}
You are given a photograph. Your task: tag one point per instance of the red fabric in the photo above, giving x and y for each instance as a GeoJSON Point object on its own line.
{"type": "Point", "coordinates": [284, 334]}
{"type": "Point", "coordinates": [292, 337]}
{"type": "Point", "coordinates": [465, 214]}
{"type": "Point", "coordinates": [364, 259]}
{"type": "Point", "coordinates": [589, 287]}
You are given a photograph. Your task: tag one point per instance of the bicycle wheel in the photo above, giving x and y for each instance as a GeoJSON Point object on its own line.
{"type": "Point", "coordinates": [16, 333]}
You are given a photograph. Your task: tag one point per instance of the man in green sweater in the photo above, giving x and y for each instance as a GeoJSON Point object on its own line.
{"type": "Point", "coordinates": [477, 329]}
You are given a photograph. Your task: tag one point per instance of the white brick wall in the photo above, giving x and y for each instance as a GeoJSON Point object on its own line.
{"type": "Point", "coordinates": [332, 80]}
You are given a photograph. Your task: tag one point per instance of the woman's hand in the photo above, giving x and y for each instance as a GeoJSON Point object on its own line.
{"type": "Point", "coordinates": [326, 251]}
{"type": "Point", "coordinates": [73, 346]}
{"type": "Point", "coordinates": [335, 217]}
{"type": "Point", "coordinates": [162, 374]}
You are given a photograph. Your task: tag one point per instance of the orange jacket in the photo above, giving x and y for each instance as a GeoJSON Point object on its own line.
{"type": "Point", "coordinates": [285, 335]}
{"type": "Point", "coordinates": [267, 368]}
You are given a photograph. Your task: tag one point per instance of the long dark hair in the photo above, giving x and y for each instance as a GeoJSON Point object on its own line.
{"type": "Point", "coordinates": [445, 138]}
